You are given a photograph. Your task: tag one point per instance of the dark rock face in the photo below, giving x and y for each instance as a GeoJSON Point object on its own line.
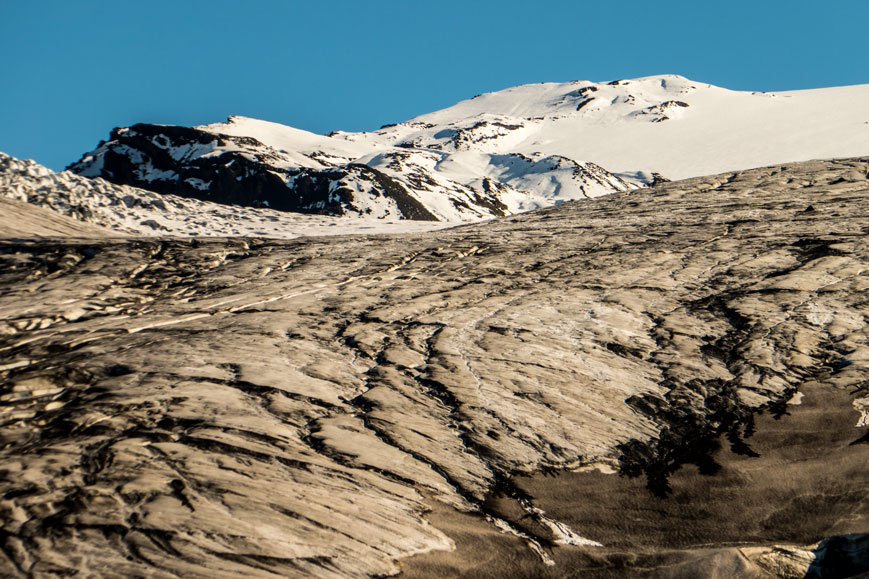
{"type": "Point", "coordinates": [169, 160]}
{"type": "Point", "coordinates": [658, 179]}
{"type": "Point", "coordinates": [142, 156]}
{"type": "Point", "coordinates": [391, 188]}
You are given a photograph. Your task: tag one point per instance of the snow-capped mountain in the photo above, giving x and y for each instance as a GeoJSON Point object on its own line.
{"type": "Point", "coordinates": [496, 154]}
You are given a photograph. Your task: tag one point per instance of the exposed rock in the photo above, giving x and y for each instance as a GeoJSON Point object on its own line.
{"type": "Point", "coordinates": [658, 179]}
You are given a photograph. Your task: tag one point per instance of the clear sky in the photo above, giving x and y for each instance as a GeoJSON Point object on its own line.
{"type": "Point", "coordinates": [72, 70]}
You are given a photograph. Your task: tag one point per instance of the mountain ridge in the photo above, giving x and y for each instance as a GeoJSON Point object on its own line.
{"type": "Point", "coordinates": [496, 154]}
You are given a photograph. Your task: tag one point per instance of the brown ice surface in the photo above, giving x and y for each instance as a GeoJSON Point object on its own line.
{"type": "Point", "coordinates": [331, 407]}
{"type": "Point", "coordinates": [23, 220]}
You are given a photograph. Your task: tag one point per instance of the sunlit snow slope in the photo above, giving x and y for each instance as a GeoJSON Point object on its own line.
{"type": "Point", "coordinates": [666, 124]}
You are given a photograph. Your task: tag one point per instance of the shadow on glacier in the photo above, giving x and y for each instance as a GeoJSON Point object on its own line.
{"type": "Point", "coordinates": [840, 557]}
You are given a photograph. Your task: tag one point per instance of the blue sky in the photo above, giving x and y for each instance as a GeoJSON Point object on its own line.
{"type": "Point", "coordinates": [74, 70]}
